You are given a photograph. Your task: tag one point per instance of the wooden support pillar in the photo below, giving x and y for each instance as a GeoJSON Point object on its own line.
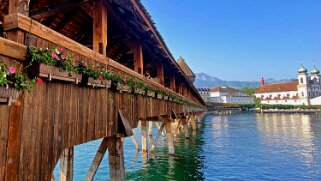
{"type": "Point", "coordinates": [161, 128]}
{"type": "Point", "coordinates": [170, 138]}
{"type": "Point", "coordinates": [135, 142]}
{"type": "Point", "coordinates": [116, 159]}
{"type": "Point", "coordinates": [186, 132]}
{"type": "Point", "coordinates": [172, 83]}
{"type": "Point", "coordinates": [160, 73]}
{"type": "Point", "coordinates": [192, 117]}
{"type": "Point", "coordinates": [150, 128]}
{"type": "Point", "coordinates": [100, 27]}
{"type": "Point", "coordinates": [138, 58]}
{"type": "Point", "coordinates": [97, 160]}
{"type": "Point", "coordinates": [144, 136]}
{"type": "Point", "coordinates": [67, 164]}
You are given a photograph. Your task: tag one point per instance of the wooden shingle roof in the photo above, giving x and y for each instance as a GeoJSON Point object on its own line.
{"type": "Point", "coordinates": [185, 68]}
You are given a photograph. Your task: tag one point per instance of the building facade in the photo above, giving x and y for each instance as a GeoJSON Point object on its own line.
{"type": "Point", "coordinates": [304, 91]}
{"type": "Point", "coordinates": [229, 95]}
{"type": "Point", "coordinates": [205, 93]}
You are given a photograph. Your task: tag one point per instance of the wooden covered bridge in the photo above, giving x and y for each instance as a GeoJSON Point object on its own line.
{"type": "Point", "coordinates": [101, 67]}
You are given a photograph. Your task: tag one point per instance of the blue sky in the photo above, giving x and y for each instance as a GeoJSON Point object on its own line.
{"type": "Point", "coordinates": [241, 39]}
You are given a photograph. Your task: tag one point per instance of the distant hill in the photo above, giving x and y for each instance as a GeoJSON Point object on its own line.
{"type": "Point", "coordinates": [204, 80]}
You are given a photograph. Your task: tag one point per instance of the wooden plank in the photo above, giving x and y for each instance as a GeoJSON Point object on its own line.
{"type": "Point", "coordinates": [13, 149]}
{"type": "Point", "coordinates": [100, 27]}
{"type": "Point", "coordinates": [12, 49]}
{"type": "Point", "coordinates": [138, 58]}
{"type": "Point", "coordinates": [97, 160]}
{"type": "Point", "coordinates": [4, 127]}
{"type": "Point", "coordinates": [135, 142]}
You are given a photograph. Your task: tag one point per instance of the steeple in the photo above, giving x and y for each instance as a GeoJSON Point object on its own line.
{"type": "Point", "coordinates": [315, 71]}
{"type": "Point", "coordinates": [302, 69]}
{"type": "Point", "coordinates": [262, 81]}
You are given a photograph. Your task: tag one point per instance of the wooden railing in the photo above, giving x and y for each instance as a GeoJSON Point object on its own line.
{"type": "Point", "coordinates": [32, 27]}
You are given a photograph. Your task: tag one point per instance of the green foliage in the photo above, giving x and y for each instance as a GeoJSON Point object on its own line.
{"type": "Point", "coordinates": [10, 77]}
{"type": "Point", "coordinates": [249, 91]}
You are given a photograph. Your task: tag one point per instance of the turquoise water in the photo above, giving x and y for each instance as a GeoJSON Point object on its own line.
{"type": "Point", "coordinates": [244, 146]}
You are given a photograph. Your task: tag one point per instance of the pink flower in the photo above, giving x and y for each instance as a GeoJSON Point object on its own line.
{"type": "Point", "coordinates": [100, 78]}
{"type": "Point", "coordinates": [12, 70]}
{"type": "Point", "coordinates": [39, 80]}
{"type": "Point", "coordinates": [85, 64]}
{"type": "Point", "coordinates": [125, 80]}
{"type": "Point", "coordinates": [93, 67]}
{"type": "Point", "coordinates": [62, 57]}
{"type": "Point", "coordinates": [73, 64]}
{"type": "Point", "coordinates": [77, 58]}
{"type": "Point", "coordinates": [98, 69]}
{"type": "Point", "coordinates": [53, 55]}
{"type": "Point", "coordinates": [62, 49]}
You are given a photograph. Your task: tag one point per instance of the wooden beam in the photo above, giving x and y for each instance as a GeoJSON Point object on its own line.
{"type": "Point", "coordinates": [67, 164]}
{"type": "Point", "coordinates": [97, 160]}
{"type": "Point", "coordinates": [100, 27]}
{"type": "Point", "coordinates": [170, 138]}
{"type": "Point", "coordinates": [138, 58]}
{"type": "Point", "coordinates": [135, 142]}
{"type": "Point", "coordinates": [159, 133]}
{"type": "Point", "coordinates": [160, 73]}
{"type": "Point", "coordinates": [144, 136]}
{"type": "Point", "coordinates": [116, 159]}
{"type": "Point", "coordinates": [172, 83]}
{"type": "Point", "coordinates": [12, 49]}
{"type": "Point", "coordinates": [54, 9]}
{"type": "Point", "coordinates": [150, 128]}
{"type": "Point", "coordinates": [19, 6]}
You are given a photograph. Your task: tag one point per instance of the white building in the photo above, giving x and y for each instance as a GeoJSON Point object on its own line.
{"type": "Point", "coordinates": [229, 95]}
{"type": "Point", "coordinates": [304, 91]}
{"type": "Point", "coordinates": [205, 94]}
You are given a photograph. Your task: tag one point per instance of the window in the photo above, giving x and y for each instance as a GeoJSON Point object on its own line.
{"type": "Point", "coordinates": [302, 94]}
{"type": "Point", "coordinates": [301, 80]}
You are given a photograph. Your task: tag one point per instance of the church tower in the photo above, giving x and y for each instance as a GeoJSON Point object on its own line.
{"type": "Point", "coordinates": [303, 85]}
{"type": "Point", "coordinates": [315, 75]}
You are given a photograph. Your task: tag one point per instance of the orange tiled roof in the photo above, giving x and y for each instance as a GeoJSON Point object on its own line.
{"type": "Point", "coordinates": [278, 87]}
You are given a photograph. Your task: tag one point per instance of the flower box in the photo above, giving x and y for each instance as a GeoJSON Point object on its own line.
{"type": "Point", "coordinates": [159, 96]}
{"type": "Point", "coordinates": [123, 88]}
{"type": "Point", "coordinates": [99, 83]}
{"type": "Point", "coordinates": [53, 73]}
{"type": "Point", "coordinates": [8, 95]}
{"type": "Point", "coordinates": [165, 97]}
{"type": "Point", "coordinates": [150, 94]}
{"type": "Point", "coordinates": [140, 91]}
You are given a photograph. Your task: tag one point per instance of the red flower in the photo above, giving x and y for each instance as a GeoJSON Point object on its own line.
{"type": "Point", "coordinates": [62, 49]}
{"type": "Point", "coordinates": [93, 67]}
{"type": "Point", "coordinates": [39, 80]}
{"type": "Point", "coordinates": [98, 69]}
{"type": "Point", "coordinates": [62, 57]}
{"type": "Point", "coordinates": [118, 73]}
{"type": "Point", "coordinates": [100, 78]}
{"type": "Point", "coordinates": [73, 64]}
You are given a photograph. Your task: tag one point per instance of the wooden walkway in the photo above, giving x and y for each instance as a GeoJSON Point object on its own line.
{"type": "Point", "coordinates": [42, 126]}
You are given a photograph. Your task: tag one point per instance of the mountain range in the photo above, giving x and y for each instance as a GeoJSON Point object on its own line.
{"type": "Point", "coordinates": [204, 80]}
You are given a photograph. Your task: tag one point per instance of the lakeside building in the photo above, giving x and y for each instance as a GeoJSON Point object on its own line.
{"type": "Point", "coordinates": [306, 90]}
{"type": "Point", "coordinates": [225, 95]}
{"type": "Point", "coordinates": [205, 93]}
